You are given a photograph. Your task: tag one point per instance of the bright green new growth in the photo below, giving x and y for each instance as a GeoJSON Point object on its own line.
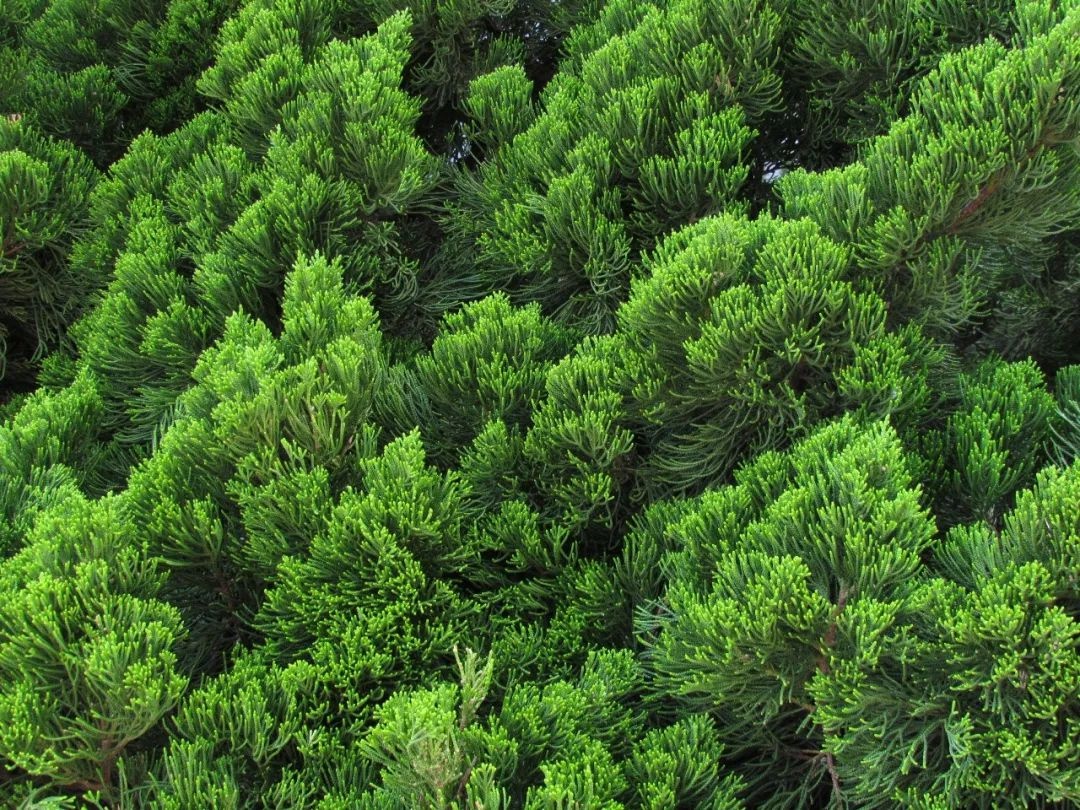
{"type": "Point", "coordinates": [501, 404]}
{"type": "Point", "coordinates": [88, 655]}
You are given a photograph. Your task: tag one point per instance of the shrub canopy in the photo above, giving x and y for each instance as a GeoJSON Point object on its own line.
{"type": "Point", "coordinates": [498, 403]}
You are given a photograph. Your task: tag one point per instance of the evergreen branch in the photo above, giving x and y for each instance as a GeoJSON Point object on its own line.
{"type": "Point", "coordinates": [830, 764]}
{"type": "Point", "coordinates": [980, 199]}
{"type": "Point", "coordinates": [992, 186]}
{"type": "Point", "coordinates": [829, 639]}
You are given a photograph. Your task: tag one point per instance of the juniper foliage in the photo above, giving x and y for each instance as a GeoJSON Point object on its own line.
{"type": "Point", "coordinates": [600, 404]}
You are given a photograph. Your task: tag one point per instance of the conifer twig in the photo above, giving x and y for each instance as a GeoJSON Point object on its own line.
{"type": "Point", "coordinates": [992, 186]}
{"type": "Point", "coordinates": [830, 764]}
{"type": "Point", "coordinates": [830, 634]}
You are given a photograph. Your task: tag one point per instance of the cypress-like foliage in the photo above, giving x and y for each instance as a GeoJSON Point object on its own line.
{"type": "Point", "coordinates": [44, 208]}
{"type": "Point", "coordinates": [955, 211]}
{"type": "Point", "coordinates": [87, 650]}
{"type": "Point", "coordinates": [45, 451]}
{"type": "Point", "coordinates": [644, 127]}
{"type": "Point", "coordinates": [503, 404]}
{"type": "Point", "coordinates": [98, 72]}
{"type": "Point", "coordinates": [851, 66]}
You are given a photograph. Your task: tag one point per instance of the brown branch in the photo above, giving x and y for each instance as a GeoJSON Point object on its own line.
{"type": "Point", "coordinates": [111, 749]}
{"type": "Point", "coordinates": [830, 634]}
{"type": "Point", "coordinates": [830, 764]}
{"type": "Point", "coordinates": [993, 185]}
{"type": "Point", "coordinates": [972, 207]}
{"type": "Point", "coordinates": [108, 762]}
{"type": "Point", "coordinates": [814, 755]}
{"type": "Point", "coordinates": [85, 786]}
{"type": "Point", "coordinates": [976, 203]}
{"type": "Point", "coordinates": [463, 783]}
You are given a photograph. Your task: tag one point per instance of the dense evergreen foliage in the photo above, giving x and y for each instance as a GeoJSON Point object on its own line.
{"type": "Point", "coordinates": [503, 403]}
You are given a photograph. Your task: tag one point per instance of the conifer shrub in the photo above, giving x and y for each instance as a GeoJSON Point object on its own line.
{"type": "Point", "coordinates": [646, 125]}
{"type": "Point", "coordinates": [99, 72]}
{"type": "Point", "coordinates": [45, 188]}
{"type": "Point", "coordinates": [850, 67]}
{"type": "Point", "coordinates": [617, 405]}
{"type": "Point", "coordinates": [934, 210]}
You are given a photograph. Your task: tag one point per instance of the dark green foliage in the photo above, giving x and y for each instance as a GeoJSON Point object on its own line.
{"type": "Point", "coordinates": [748, 333]}
{"type": "Point", "coordinates": [236, 737]}
{"type": "Point", "coordinates": [504, 404]}
{"type": "Point", "coordinates": [268, 421]}
{"type": "Point", "coordinates": [45, 188]}
{"type": "Point", "coordinates": [261, 49]}
{"type": "Point", "coordinates": [344, 174]}
{"type": "Point", "coordinates": [760, 577]}
{"type": "Point", "coordinates": [991, 656]}
{"type": "Point", "coordinates": [644, 127]}
{"type": "Point", "coordinates": [98, 72]}
{"type": "Point", "coordinates": [580, 447]}
{"type": "Point", "coordinates": [580, 739]}
{"type": "Point", "coordinates": [852, 64]}
{"type": "Point", "coordinates": [880, 682]}
{"type": "Point", "coordinates": [994, 443]}
{"type": "Point", "coordinates": [1066, 428]}
{"type": "Point", "coordinates": [952, 214]}
{"type": "Point", "coordinates": [144, 337]}
{"type": "Point", "coordinates": [488, 364]}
